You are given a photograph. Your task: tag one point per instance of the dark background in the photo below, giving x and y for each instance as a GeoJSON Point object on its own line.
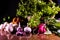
{"type": "Point", "coordinates": [8, 8]}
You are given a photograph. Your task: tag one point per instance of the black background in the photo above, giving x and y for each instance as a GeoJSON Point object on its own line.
{"type": "Point", "coordinates": [8, 8]}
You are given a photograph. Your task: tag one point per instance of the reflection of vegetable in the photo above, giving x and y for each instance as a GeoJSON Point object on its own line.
{"type": "Point", "coordinates": [8, 17]}
{"type": "Point", "coordinates": [4, 19]}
